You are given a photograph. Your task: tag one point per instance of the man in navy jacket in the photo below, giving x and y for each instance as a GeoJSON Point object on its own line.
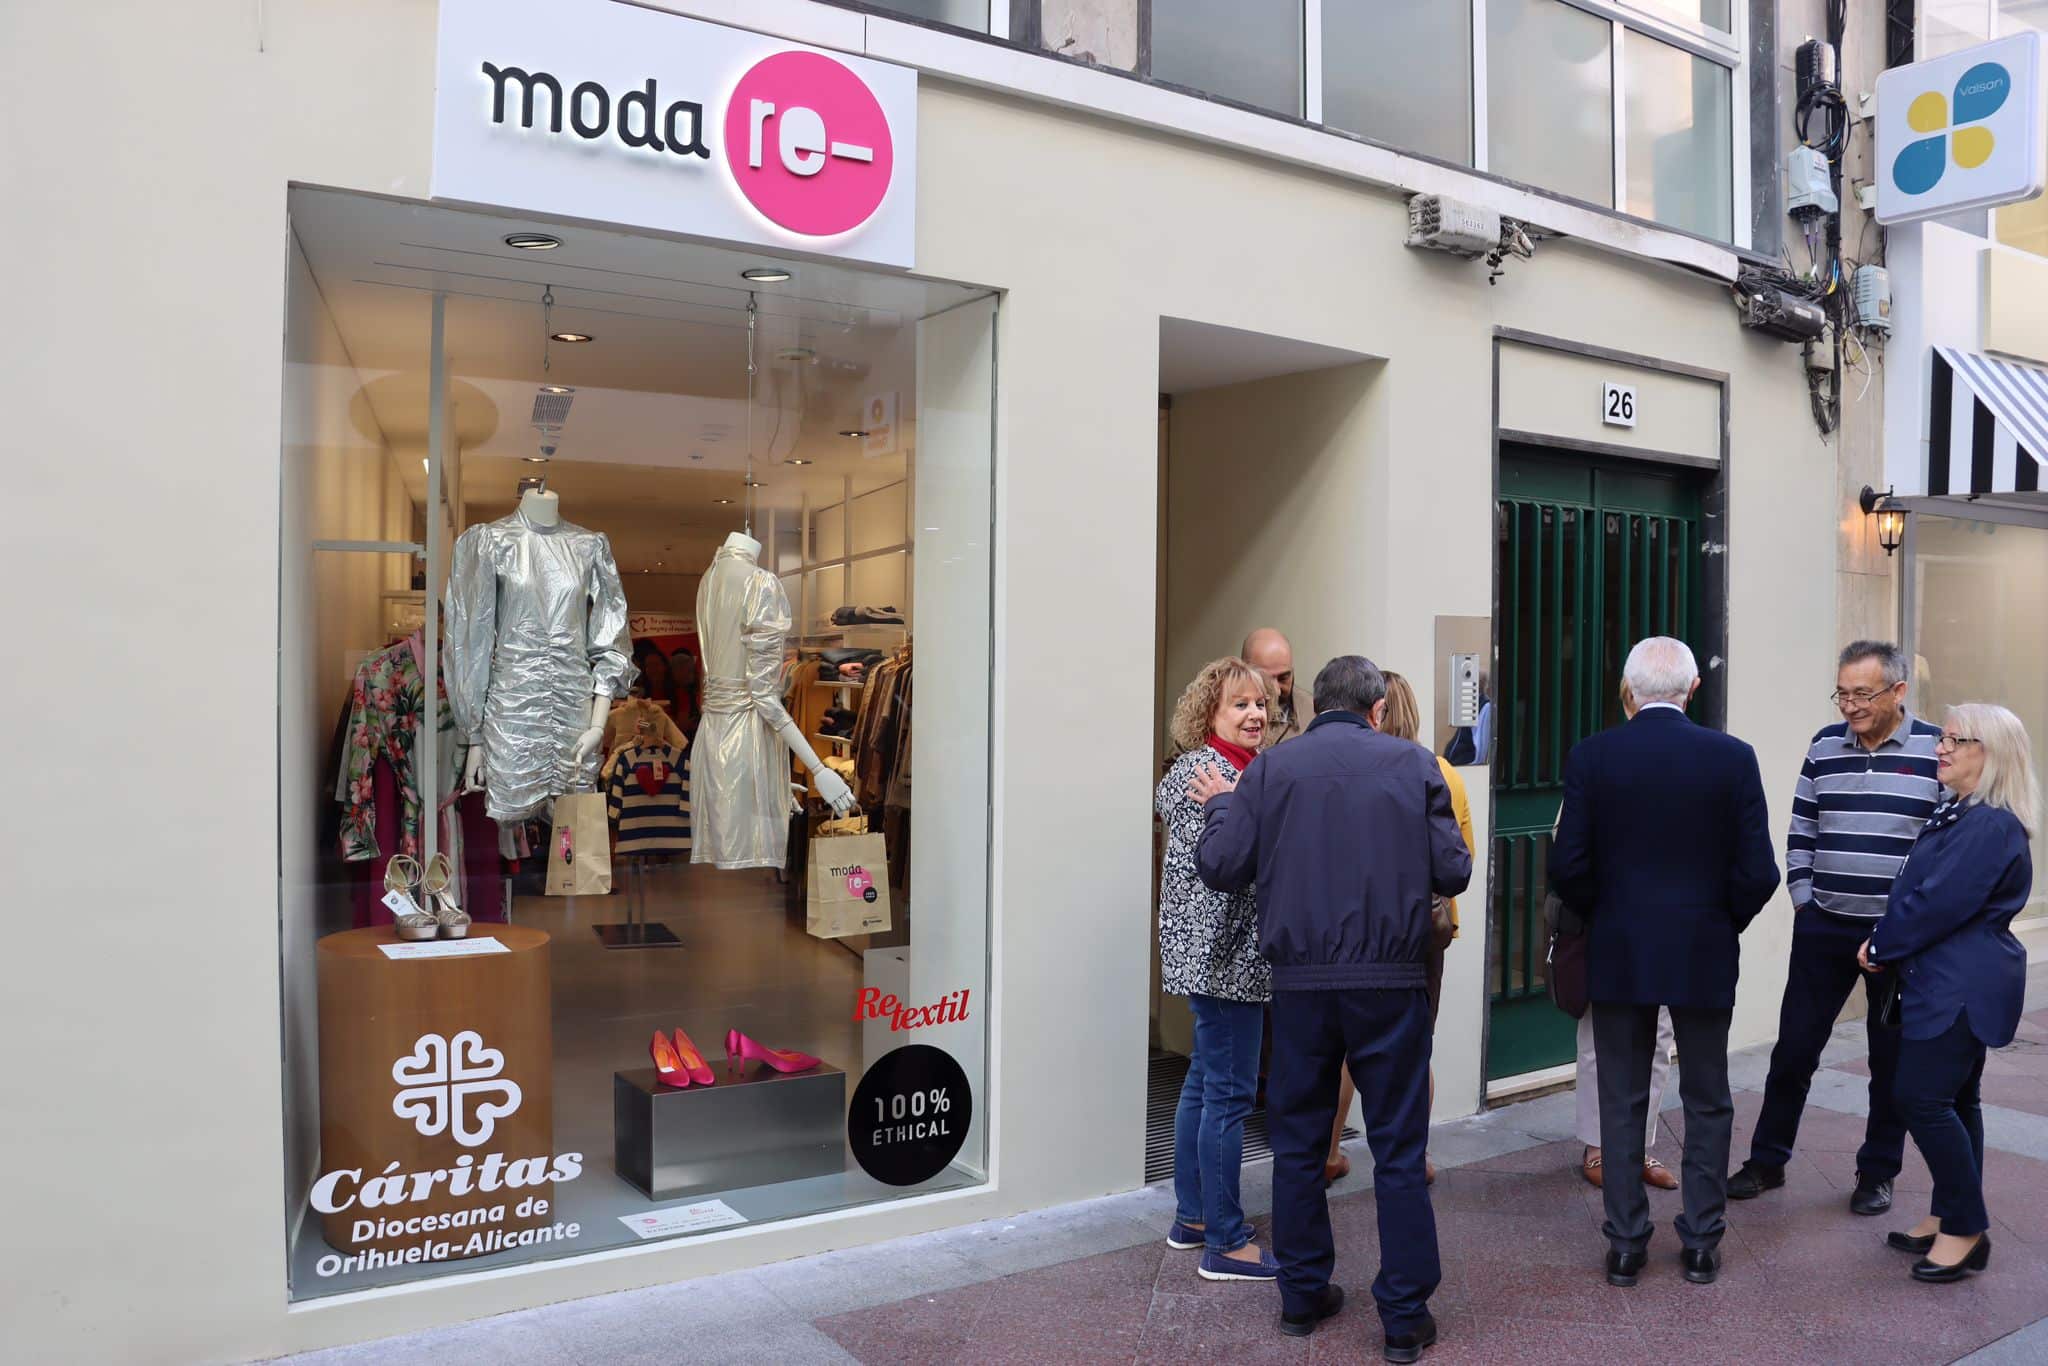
{"type": "Point", "coordinates": [1664, 844]}
{"type": "Point", "coordinates": [1348, 835]}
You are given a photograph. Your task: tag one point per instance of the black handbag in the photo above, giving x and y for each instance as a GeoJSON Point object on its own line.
{"type": "Point", "coordinates": [1570, 987]}
{"type": "Point", "coordinates": [1885, 989]}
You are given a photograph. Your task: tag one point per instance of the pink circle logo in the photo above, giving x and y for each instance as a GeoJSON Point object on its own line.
{"type": "Point", "coordinates": [858, 881]}
{"type": "Point", "coordinates": [808, 143]}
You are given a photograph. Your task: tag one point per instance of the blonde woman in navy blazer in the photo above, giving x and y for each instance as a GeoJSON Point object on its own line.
{"type": "Point", "coordinates": [1963, 976]}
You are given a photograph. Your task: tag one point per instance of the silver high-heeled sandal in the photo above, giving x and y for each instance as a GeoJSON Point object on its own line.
{"type": "Point", "coordinates": [401, 875]}
{"type": "Point", "coordinates": [438, 883]}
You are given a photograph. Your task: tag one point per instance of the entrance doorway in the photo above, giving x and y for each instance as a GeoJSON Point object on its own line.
{"type": "Point", "coordinates": [1591, 555]}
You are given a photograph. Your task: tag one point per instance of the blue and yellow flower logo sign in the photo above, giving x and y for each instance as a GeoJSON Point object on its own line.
{"type": "Point", "coordinates": [1954, 126]}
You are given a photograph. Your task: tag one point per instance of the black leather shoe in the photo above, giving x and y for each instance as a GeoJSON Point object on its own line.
{"type": "Point", "coordinates": [1753, 1179]}
{"type": "Point", "coordinates": [1702, 1264]}
{"type": "Point", "coordinates": [1906, 1242]}
{"type": "Point", "coordinates": [1408, 1346]}
{"type": "Point", "coordinates": [1871, 1197]}
{"type": "Point", "coordinates": [1624, 1267]}
{"type": "Point", "coordinates": [1300, 1326]}
{"type": "Point", "coordinates": [1934, 1272]}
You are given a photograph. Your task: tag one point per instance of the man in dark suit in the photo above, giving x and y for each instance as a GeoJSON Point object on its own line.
{"type": "Point", "coordinates": [1664, 844]}
{"type": "Point", "coordinates": [1348, 834]}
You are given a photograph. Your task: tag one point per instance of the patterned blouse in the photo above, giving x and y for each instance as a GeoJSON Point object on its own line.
{"type": "Point", "coordinates": [385, 703]}
{"type": "Point", "coordinates": [1208, 941]}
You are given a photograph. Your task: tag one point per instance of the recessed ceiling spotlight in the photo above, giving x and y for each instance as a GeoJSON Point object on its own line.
{"type": "Point", "coordinates": [765, 275]}
{"type": "Point", "coordinates": [753, 483]}
{"type": "Point", "coordinates": [571, 337]}
{"type": "Point", "coordinates": [533, 241]}
{"type": "Point", "coordinates": [853, 431]}
{"type": "Point", "coordinates": [696, 455]}
{"type": "Point", "coordinates": [724, 502]}
{"type": "Point", "coordinates": [794, 461]}
{"type": "Point", "coordinates": [796, 353]}
{"type": "Point", "coordinates": [557, 389]}
{"type": "Point", "coordinates": [534, 459]}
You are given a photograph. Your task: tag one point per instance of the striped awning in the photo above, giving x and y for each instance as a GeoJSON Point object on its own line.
{"type": "Point", "coordinates": [1987, 425]}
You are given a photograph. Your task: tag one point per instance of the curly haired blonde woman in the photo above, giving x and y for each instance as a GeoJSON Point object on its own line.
{"type": "Point", "coordinates": [1209, 953]}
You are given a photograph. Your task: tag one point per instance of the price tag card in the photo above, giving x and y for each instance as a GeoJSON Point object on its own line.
{"type": "Point", "coordinates": [444, 948]}
{"type": "Point", "coordinates": [665, 1223]}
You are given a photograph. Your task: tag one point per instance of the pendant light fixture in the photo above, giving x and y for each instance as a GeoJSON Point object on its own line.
{"type": "Point", "coordinates": [753, 318]}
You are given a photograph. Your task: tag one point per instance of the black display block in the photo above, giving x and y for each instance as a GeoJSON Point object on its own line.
{"type": "Point", "coordinates": [754, 1130]}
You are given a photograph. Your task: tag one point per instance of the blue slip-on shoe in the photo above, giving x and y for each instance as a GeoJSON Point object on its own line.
{"type": "Point", "coordinates": [1218, 1266]}
{"type": "Point", "coordinates": [1181, 1238]}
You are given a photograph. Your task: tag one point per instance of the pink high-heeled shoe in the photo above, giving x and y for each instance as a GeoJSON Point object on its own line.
{"type": "Point", "coordinates": [693, 1061]}
{"type": "Point", "coordinates": [741, 1050]}
{"type": "Point", "coordinates": [668, 1064]}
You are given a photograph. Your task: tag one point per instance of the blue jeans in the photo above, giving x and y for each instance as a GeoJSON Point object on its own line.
{"type": "Point", "coordinates": [1208, 1128]}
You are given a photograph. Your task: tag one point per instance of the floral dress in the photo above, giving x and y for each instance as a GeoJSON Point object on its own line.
{"type": "Point", "coordinates": [386, 700]}
{"type": "Point", "coordinates": [1208, 940]}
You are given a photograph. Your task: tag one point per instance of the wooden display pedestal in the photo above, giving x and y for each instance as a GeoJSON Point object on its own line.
{"type": "Point", "coordinates": [419, 1058]}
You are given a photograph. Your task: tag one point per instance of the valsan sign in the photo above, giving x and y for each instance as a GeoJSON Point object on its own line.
{"type": "Point", "coordinates": [602, 110]}
{"type": "Point", "coordinates": [1960, 132]}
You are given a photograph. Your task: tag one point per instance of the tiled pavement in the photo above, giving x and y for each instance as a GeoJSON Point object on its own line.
{"type": "Point", "coordinates": [1803, 1281]}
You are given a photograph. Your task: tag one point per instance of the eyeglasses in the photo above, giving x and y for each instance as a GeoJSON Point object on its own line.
{"type": "Point", "coordinates": [1947, 741]}
{"type": "Point", "coordinates": [1862, 697]}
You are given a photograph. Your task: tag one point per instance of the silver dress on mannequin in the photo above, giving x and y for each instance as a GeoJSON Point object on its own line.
{"type": "Point", "coordinates": [534, 627]}
{"type": "Point", "coordinates": [740, 796]}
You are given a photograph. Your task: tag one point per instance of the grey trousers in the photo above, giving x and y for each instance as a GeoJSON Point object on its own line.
{"type": "Point", "coordinates": [1624, 1037]}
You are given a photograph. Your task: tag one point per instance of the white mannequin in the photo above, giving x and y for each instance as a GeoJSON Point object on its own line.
{"type": "Point", "coordinates": [831, 786]}
{"type": "Point", "coordinates": [543, 507]}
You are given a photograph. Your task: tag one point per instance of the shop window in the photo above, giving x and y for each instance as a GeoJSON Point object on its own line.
{"type": "Point", "coordinates": [1979, 592]}
{"type": "Point", "coordinates": [1711, 14]}
{"type": "Point", "coordinates": [1550, 97]}
{"type": "Point", "coordinates": [1400, 73]}
{"type": "Point", "coordinates": [967, 14]}
{"type": "Point", "coordinates": [654, 595]}
{"type": "Point", "coordinates": [1679, 158]}
{"type": "Point", "coordinates": [1249, 51]}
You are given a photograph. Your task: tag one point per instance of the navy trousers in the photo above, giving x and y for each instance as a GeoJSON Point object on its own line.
{"type": "Point", "coordinates": [1938, 1081]}
{"type": "Point", "coordinates": [1823, 973]}
{"type": "Point", "coordinates": [1384, 1037]}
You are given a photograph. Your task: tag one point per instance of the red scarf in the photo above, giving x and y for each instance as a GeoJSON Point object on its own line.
{"type": "Point", "coordinates": [1238, 756]}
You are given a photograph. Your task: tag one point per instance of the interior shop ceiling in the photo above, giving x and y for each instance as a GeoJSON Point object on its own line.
{"type": "Point", "coordinates": [658, 424]}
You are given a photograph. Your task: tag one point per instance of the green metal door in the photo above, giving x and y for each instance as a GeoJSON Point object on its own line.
{"type": "Point", "coordinates": [1590, 558]}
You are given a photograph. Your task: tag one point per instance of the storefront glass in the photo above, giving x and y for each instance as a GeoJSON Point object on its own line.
{"type": "Point", "coordinates": [1979, 596]}
{"type": "Point", "coordinates": [634, 942]}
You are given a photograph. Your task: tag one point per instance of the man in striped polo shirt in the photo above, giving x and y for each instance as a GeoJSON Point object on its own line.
{"type": "Point", "coordinates": [1867, 788]}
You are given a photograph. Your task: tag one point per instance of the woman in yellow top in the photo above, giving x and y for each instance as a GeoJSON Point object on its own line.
{"type": "Point", "coordinates": [1404, 722]}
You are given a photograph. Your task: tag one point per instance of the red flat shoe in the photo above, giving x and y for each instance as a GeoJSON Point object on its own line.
{"type": "Point", "coordinates": [693, 1061]}
{"type": "Point", "coordinates": [668, 1064]}
{"type": "Point", "coordinates": [740, 1050]}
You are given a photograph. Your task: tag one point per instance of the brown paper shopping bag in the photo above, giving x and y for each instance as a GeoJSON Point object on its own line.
{"type": "Point", "coordinates": [849, 886]}
{"type": "Point", "coordinates": [579, 851]}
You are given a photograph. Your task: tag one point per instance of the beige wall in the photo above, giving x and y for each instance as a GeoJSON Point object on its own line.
{"type": "Point", "coordinates": [1555, 394]}
{"type": "Point", "coordinates": [147, 1222]}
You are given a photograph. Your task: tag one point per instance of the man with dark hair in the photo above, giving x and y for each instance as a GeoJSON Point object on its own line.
{"type": "Point", "coordinates": [1865, 791]}
{"type": "Point", "coordinates": [1348, 834]}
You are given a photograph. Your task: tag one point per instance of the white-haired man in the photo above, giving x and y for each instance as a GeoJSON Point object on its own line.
{"type": "Point", "coordinates": [1664, 845]}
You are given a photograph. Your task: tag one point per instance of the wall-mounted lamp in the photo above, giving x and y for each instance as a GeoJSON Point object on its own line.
{"type": "Point", "coordinates": [1891, 518]}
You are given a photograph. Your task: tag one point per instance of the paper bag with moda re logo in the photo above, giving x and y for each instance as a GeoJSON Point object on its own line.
{"type": "Point", "coordinates": [579, 854]}
{"type": "Point", "coordinates": [849, 892]}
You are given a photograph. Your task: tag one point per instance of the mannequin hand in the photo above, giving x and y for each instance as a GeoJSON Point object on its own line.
{"type": "Point", "coordinates": [834, 790]}
{"type": "Point", "coordinates": [587, 743]}
{"type": "Point", "coordinates": [473, 770]}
